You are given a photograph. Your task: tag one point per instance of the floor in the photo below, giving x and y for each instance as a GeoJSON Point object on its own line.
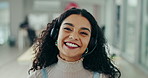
{"type": "Point", "coordinates": [10, 67]}
{"type": "Point", "coordinates": [15, 63]}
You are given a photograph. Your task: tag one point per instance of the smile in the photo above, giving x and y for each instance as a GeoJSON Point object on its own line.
{"type": "Point", "coordinates": [71, 45]}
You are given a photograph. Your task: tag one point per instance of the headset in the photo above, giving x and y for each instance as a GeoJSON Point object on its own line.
{"type": "Point", "coordinates": [93, 40]}
{"type": "Point", "coordinates": [54, 30]}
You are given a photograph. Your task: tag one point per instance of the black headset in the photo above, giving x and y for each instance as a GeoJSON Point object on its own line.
{"type": "Point", "coordinates": [54, 30]}
{"type": "Point", "coordinates": [93, 40]}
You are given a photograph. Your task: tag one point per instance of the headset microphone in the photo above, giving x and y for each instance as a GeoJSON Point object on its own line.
{"type": "Point", "coordinates": [85, 54]}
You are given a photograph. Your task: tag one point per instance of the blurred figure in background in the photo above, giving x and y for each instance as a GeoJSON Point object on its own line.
{"type": "Point", "coordinates": [30, 31]}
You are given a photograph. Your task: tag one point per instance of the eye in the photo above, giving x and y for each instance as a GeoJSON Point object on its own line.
{"type": "Point", "coordinates": [67, 29]}
{"type": "Point", "coordinates": [83, 33]}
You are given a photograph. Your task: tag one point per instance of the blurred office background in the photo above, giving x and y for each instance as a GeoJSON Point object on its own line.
{"type": "Point", "coordinates": [125, 24]}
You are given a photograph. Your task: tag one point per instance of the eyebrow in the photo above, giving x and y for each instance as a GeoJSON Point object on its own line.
{"type": "Point", "coordinates": [83, 28]}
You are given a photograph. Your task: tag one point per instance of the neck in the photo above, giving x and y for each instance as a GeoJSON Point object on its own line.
{"type": "Point", "coordinates": [69, 66]}
{"type": "Point", "coordinates": [69, 59]}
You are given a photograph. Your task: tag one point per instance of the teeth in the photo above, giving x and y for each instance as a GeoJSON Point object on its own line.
{"type": "Point", "coordinates": [71, 45]}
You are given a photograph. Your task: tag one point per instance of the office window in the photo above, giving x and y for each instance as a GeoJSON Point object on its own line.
{"type": "Point", "coordinates": [130, 36]}
{"type": "Point", "coordinates": [4, 22]}
{"type": "Point", "coordinates": [144, 46]}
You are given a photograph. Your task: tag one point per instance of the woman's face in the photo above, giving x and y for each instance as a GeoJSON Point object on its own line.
{"type": "Point", "coordinates": [74, 36]}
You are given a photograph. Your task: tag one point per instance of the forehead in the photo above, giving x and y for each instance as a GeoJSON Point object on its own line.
{"type": "Point", "coordinates": [77, 20]}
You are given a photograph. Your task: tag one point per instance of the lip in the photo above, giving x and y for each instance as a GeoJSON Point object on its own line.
{"type": "Point", "coordinates": [72, 43]}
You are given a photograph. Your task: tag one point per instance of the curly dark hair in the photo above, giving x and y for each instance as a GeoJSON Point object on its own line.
{"type": "Point", "coordinates": [46, 51]}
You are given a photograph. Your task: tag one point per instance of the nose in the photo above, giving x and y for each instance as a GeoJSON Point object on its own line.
{"type": "Point", "coordinates": [74, 36]}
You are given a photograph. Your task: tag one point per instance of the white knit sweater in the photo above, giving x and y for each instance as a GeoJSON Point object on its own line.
{"type": "Point", "coordinates": [64, 69]}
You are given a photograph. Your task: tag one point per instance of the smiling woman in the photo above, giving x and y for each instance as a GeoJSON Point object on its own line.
{"type": "Point", "coordinates": [71, 44]}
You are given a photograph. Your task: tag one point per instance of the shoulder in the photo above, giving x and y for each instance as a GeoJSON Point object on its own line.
{"type": "Point", "coordinates": [38, 73]}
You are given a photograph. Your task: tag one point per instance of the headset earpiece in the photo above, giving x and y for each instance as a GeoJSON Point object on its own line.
{"type": "Point", "coordinates": [54, 30]}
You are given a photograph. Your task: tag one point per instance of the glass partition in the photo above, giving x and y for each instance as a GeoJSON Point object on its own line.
{"type": "Point", "coordinates": [4, 22]}
{"type": "Point", "coordinates": [130, 29]}
{"type": "Point", "coordinates": [144, 46]}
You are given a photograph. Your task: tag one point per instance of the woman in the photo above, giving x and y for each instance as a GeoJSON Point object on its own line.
{"type": "Point", "coordinates": [72, 46]}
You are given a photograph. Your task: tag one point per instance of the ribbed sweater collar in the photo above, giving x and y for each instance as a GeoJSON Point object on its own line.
{"type": "Point", "coordinates": [69, 66]}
